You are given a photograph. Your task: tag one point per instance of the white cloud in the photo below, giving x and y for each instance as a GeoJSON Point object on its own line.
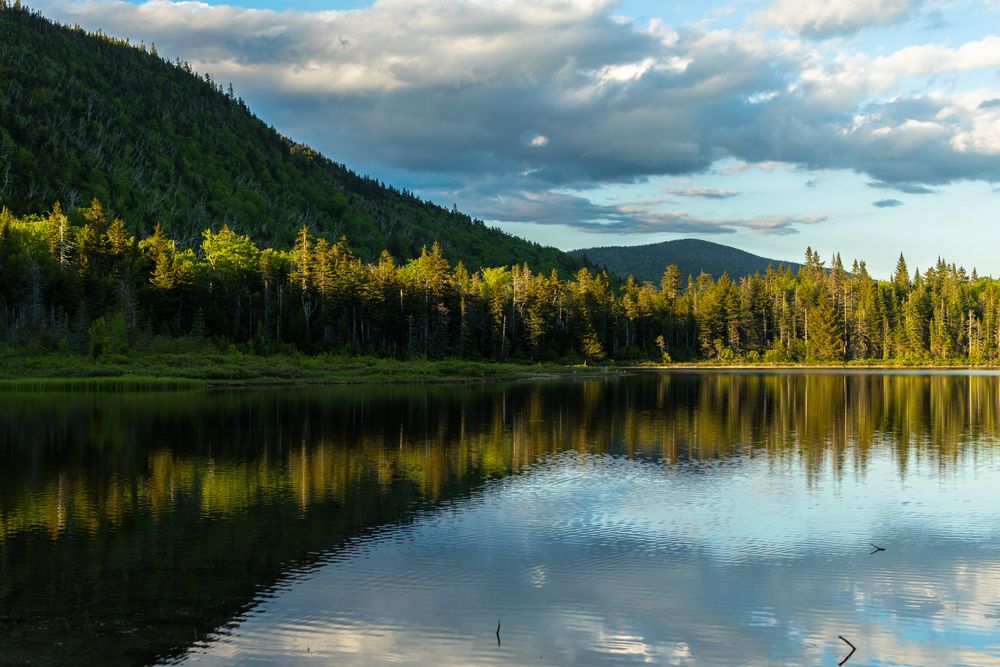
{"type": "Point", "coordinates": [825, 18]}
{"type": "Point", "coordinates": [981, 127]}
{"type": "Point", "coordinates": [936, 58]}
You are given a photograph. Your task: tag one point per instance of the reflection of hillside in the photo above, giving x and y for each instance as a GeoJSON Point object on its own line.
{"type": "Point", "coordinates": [230, 451]}
{"type": "Point", "coordinates": [175, 510]}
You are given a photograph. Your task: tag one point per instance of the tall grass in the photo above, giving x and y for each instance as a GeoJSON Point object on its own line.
{"type": "Point", "coordinates": [121, 383]}
{"type": "Point", "coordinates": [175, 370]}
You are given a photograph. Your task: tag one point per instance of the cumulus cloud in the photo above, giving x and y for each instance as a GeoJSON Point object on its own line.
{"type": "Point", "coordinates": [827, 18]}
{"type": "Point", "coordinates": [887, 203]}
{"type": "Point", "coordinates": [496, 96]}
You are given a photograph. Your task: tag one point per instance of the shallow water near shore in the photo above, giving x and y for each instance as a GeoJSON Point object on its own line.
{"type": "Point", "coordinates": [716, 518]}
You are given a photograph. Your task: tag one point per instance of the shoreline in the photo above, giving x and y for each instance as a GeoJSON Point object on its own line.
{"type": "Point", "coordinates": [191, 371]}
{"type": "Point", "coordinates": [180, 371]}
{"type": "Point", "coordinates": [698, 366]}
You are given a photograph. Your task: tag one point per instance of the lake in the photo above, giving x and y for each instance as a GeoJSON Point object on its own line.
{"type": "Point", "coordinates": [681, 518]}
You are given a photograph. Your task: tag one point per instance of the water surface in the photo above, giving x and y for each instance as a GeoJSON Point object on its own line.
{"type": "Point", "coordinates": [685, 518]}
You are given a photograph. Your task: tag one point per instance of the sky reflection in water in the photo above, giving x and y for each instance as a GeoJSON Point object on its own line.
{"type": "Point", "coordinates": [758, 557]}
{"type": "Point", "coordinates": [686, 518]}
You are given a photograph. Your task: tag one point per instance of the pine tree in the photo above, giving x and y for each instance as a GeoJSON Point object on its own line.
{"type": "Point", "coordinates": [901, 277]}
{"type": "Point", "coordinates": [826, 341]}
{"type": "Point", "coordinates": [160, 252]}
{"type": "Point", "coordinates": [117, 239]}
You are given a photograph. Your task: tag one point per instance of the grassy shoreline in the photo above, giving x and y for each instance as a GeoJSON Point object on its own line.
{"type": "Point", "coordinates": [186, 371]}
{"type": "Point", "coordinates": [175, 371]}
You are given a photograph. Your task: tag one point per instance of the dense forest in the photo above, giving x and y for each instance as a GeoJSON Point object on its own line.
{"type": "Point", "coordinates": [79, 280]}
{"type": "Point", "coordinates": [85, 115]}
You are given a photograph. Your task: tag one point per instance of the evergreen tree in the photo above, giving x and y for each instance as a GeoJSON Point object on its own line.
{"type": "Point", "coordinates": [826, 341]}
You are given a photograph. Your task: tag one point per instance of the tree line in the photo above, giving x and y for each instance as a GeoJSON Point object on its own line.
{"type": "Point", "coordinates": [77, 280]}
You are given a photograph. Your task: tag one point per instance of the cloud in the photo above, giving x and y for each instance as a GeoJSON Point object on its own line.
{"type": "Point", "coordinates": [743, 166]}
{"type": "Point", "coordinates": [452, 86]}
{"type": "Point", "coordinates": [937, 58]}
{"type": "Point", "coordinates": [906, 188]}
{"type": "Point", "coordinates": [642, 217]}
{"type": "Point", "coordinates": [725, 10]}
{"type": "Point", "coordinates": [705, 193]}
{"type": "Point", "coordinates": [887, 203]}
{"type": "Point", "coordinates": [561, 94]}
{"type": "Point", "coordinates": [828, 18]}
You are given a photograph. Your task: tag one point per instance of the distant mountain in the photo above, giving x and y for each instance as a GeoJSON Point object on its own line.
{"type": "Point", "coordinates": [692, 256]}
{"type": "Point", "coordinates": [86, 115]}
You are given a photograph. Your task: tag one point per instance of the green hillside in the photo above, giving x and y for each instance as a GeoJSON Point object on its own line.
{"type": "Point", "coordinates": [85, 115]}
{"type": "Point", "coordinates": [692, 256]}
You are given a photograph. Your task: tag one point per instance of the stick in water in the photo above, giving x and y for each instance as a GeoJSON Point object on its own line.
{"type": "Point", "coordinates": [848, 656]}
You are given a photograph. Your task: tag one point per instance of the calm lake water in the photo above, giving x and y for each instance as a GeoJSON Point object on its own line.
{"type": "Point", "coordinates": [690, 518]}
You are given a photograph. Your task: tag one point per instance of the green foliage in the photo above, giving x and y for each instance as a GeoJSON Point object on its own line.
{"type": "Point", "coordinates": [117, 334]}
{"type": "Point", "coordinates": [230, 256]}
{"type": "Point", "coordinates": [108, 336]}
{"type": "Point", "coordinates": [99, 337]}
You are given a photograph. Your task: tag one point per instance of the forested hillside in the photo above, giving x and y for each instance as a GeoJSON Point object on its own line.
{"type": "Point", "coordinates": [85, 115]}
{"type": "Point", "coordinates": [691, 256]}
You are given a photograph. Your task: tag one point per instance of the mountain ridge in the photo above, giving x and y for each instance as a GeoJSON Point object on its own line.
{"type": "Point", "coordinates": [692, 256]}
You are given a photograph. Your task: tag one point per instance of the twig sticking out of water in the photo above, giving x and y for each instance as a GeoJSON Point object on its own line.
{"type": "Point", "coordinates": [498, 632]}
{"type": "Point", "coordinates": [876, 548]}
{"type": "Point", "coordinates": [848, 656]}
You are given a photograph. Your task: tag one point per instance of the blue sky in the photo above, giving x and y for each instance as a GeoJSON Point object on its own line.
{"type": "Point", "coordinates": [867, 127]}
